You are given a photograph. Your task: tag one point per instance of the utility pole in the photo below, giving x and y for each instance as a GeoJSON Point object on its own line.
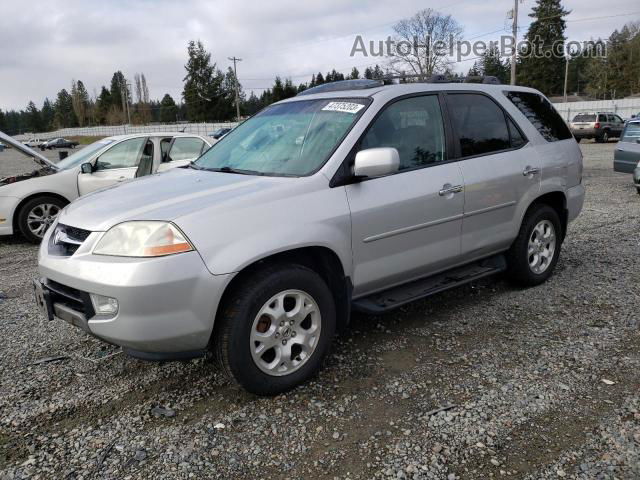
{"type": "Point", "coordinates": [566, 75]}
{"type": "Point", "coordinates": [515, 42]}
{"type": "Point", "coordinates": [235, 73]}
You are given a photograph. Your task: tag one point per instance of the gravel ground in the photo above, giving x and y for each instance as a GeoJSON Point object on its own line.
{"type": "Point", "coordinates": [13, 162]}
{"type": "Point", "coordinates": [479, 382]}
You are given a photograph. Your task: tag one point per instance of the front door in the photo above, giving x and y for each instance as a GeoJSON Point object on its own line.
{"type": "Point", "coordinates": [117, 164]}
{"type": "Point", "coordinates": [407, 224]}
{"type": "Point", "coordinates": [181, 151]}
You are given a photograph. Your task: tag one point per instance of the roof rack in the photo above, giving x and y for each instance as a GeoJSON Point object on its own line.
{"type": "Point", "coordinates": [362, 84]}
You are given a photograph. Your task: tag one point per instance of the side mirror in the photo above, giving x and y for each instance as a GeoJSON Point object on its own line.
{"type": "Point", "coordinates": [86, 168]}
{"type": "Point", "coordinates": [375, 162]}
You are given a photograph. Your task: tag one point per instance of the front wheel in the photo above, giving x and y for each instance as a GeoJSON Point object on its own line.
{"type": "Point", "coordinates": [275, 329]}
{"type": "Point", "coordinates": [534, 254]}
{"type": "Point", "coordinates": [36, 216]}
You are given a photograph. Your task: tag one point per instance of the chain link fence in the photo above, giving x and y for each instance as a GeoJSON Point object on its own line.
{"type": "Point", "coordinates": [204, 129]}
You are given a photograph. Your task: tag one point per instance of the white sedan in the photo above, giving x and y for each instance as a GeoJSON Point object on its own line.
{"type": "Point", "coordinates": [29, 203]}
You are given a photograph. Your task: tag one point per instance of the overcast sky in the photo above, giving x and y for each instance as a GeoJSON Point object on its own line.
{"type": "Point", "coordinates": [44, 44]}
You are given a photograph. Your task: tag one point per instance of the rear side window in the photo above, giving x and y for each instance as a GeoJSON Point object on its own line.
{"type": "Point", "coordinates": [479, 123]}
{"type": "Point", "coordinates": [541, 114]}
{"type": "Point", "coordinates": [602, 118]}
{"type": "Point", "coordinates": [185, 148]}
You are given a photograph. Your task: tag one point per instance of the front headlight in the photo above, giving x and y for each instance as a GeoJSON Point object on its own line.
{"type": "Point", "coordinates": [143, 239]}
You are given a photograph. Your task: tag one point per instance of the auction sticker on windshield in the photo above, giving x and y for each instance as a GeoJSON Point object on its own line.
{"type": "Point", "coordinates": [346, 107]}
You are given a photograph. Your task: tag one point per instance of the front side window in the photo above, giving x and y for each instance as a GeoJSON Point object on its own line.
{"type": "Point", "coordinates": [185, 148]}
{"type": "Point", "coordinates": [291, 139]}
{"type": "Point", "coordinates": [82, 156]}
{"type": "Point", "coordinates": [479, 123]}
{"type": "Point", "coordinates": [412, 126]}
{"type": "Point", "coordinates": [631, 133]}
{"type": "Point", "coordinates": [541, 114]}
{"type": "Point", "coordinates": [125, 154]}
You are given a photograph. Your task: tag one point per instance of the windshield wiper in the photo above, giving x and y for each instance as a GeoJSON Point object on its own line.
{"type": "Point", "coordinates": [240, 171]}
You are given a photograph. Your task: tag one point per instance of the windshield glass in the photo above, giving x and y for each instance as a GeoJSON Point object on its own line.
{"type": "Point", "coordinates": [82, 155]}
{"type": "Point", "coordinates": [583, 117]}
{"type": "Point", "coordinates": [292, 139]}
{"type": "Point", "coordinates": [631, 132]}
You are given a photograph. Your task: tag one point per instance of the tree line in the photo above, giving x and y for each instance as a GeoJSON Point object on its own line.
{"type": "Point", "coordinates": [209, 92]}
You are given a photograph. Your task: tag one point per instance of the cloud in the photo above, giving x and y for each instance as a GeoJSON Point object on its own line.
{"type": "Point", "coordinates": [46, 43]}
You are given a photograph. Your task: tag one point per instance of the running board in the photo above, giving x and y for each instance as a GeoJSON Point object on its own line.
{"type": "Point", "coordinates": [395, 297]}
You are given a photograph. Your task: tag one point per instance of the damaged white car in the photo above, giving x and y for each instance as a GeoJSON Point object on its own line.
{"type": "Point", "coordinates": [30, 202]}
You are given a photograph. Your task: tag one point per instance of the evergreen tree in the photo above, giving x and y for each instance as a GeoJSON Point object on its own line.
{"type": "Point", "coordinates": [47, 115]}
{"type": "Point", "coordinates": [120, 93]}
{"type": "Point", "coordinates": [80, 101]}
{"type": "Point", "coordinates": [33, 119]}
{"type": "Point", "coordinates": [355, 74]}
{"type": "Point", "coordinates": [202, 83]}
{"type": "Point", "coordinates": [3, 124]}
{"type": "Point", "coordinates": [542, 67]}
{"type": "Point", "coordinates": [492, 65]}
{"type": "Point", "coordinates": [474, 71]}
{"type": "Point", "coordinates": [319, 79]}
{"type": "Point", "coordinates": [103, 105]}
{"type": "Point", "coordinates": [168, 109]}
{"type": "Point", "coordinates": [64, 115]}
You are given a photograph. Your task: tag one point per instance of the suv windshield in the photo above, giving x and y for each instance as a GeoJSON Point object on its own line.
{"type": "Point", "coordinates": [83, 155]}
{"type": "Point", "coordinates": [583, 117]}
{"type": "Point", "coordinates": [292, 139]}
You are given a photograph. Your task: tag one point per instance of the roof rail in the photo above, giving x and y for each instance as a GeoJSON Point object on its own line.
{"type": "Point", "coordinates": [439, 78]}
{"type": "Point", "coordinates": [359, 84]}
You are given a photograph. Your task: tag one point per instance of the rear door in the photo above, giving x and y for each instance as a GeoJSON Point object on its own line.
{"type": "Point", "coordinates": [407, 224]}
{"type": "Point", "coordinates": [498, 168]}
{"type": "Point", "coordinates": [117, 164]}
{"type": "Point", "coordinates": [181, 151]}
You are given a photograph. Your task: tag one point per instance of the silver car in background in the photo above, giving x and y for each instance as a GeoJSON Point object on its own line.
{"type": "Point", "coordinates": [626, 156]}
{"type": "Point", "coordinates": [355, 195]}
{"type": "Point", "coordinates": [29, 203]}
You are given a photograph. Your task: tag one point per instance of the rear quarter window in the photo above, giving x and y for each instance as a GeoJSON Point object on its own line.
{"type": "Point", "coordinates": [541, 114]}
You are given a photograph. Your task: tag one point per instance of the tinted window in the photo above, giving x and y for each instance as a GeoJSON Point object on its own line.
{"type": "Point", "coordinates": [412, 126]}
{"type": "Point", "coordinates": [584, 117]}
{"type": "Point", "coordinates": [517, 139]}
{"type": "Point", "coordinates": [541, 114]}
{"type": "Point", "coordinates": [631, 133]}
{"type": "Point", "coordinates": [479, 123]}
{"type": "Point", "coordinates": [122, 155]}
{"type": "Point", "coordinates": [602, 118]}
{"type": "Point", "coordinates": [185, 148]}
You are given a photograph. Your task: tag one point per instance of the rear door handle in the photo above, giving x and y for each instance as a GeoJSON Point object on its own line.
{"type": "Point", "coordinates": [530, 171]}
{"type": "Point", "coordinates": [447, 189]}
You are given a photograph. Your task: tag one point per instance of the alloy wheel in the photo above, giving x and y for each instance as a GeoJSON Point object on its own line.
{"type": "Point", "coordinates": [41, 217]}
{"type": "Point", "coordinates": [542, 246]}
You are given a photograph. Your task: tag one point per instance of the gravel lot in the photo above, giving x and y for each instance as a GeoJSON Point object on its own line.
{"type": "Point", "coordinates": [479, 382]}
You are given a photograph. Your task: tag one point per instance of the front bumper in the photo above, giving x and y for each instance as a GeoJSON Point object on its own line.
{"type": "Point", "coordinates": [167, 305]}
{"type": "Point", "coordinates": [7, 208]}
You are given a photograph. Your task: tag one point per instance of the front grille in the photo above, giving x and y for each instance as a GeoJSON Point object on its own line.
{"type": "Point", "coordinates": [65, 240]}
{"type": "Point", "coordinates": [70, 297]}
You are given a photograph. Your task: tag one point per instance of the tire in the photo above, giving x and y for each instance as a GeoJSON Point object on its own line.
{"type": "Point", "coordinates": [47, 207]}
{"type": "Point", "coordinates": [638, 190]}
{"type": "Point", "coordinates": [578, 140]}
{"type": "Point", "coordinates": [239, 356]}
{"type": "Point", "coordinates": [522, 267]}
{"type": "Point", "coordinates": [604, 138]}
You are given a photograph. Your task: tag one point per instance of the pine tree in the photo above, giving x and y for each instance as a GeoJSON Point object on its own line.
{"type": "Point", "coordinates": [492, 65]}
{"type": "Point", "coordinates": [80, 101]}
{"type": "Point", "coordinates": [33, 119]}
{"type": "Point", "coordinates": [120, 94]}
{"type": "Point", "coordinates": [3, 125]}
{"type": "Point", "coordinates": [47, 115]}
{"type": "Point", "coordinates": [168, 109]}
{"type": "Point", "coordinates": [202, 83]}
{"type": "Point", "coordinates": [368, 73]}
{"type": "Point", "coordinates": [355, 74]}
{"type": "Point", "coordinates": [543, 66]}
{"type": "Point", "coordinates": [65, 116]}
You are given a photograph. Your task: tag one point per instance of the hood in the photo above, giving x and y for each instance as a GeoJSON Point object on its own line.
{"type": "Point", "coordinates": [37, 157]}
{"type": "Point", "coordinates": [165, 196]}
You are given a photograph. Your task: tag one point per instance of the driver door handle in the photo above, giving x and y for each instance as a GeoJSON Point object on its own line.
{"type": "Point", "coordinates": [530, 171]}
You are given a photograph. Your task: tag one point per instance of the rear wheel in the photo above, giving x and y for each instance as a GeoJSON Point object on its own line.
{"type": "Point", "coordinates": [37, 215]}
{"type": "Point", "coordinates": [534, 254]}
{"type": "Point", "coordinates": [604, 138]}
{"type": "Point", "coordinates": [275, 329]}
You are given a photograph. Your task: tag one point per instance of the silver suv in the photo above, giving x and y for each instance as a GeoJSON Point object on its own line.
{"type": "Point", "coordinates": [354, 196]}
{"type": "Point", "coordinates": [601, 126]}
